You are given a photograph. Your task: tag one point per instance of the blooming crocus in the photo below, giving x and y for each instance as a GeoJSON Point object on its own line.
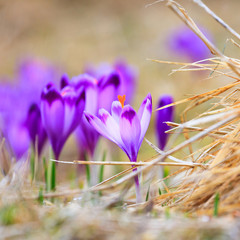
{"type": "Point", "coordinates": [99, 94]}
{"type": "Point", "coordinates": [61, 112]}
{"type": "Point", "coordinates": [35, 128]}
{"type": "Point", "coordinates": [162, 116]}
{"type": "Point", "coordinates": [184, 42]}
{"type": "Point", "coordinates": [124, 127]}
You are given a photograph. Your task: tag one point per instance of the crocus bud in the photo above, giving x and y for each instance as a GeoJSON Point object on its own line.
{"type": "Point", "coordinates": [35, 128]}
{"type": "Point", "coordinates": [61, 113]}
{"type": "Point", "coordinates": [162, 116]}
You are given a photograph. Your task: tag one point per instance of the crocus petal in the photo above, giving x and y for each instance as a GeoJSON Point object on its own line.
{"type": "Point", "coordinates": [87, 137]}
{"type": "Point", "coordinates": [97, 124]}
{"type": "Point", "coordinates": [64, 81]}
{"type": "Point", "coordinates": [112, 127]}
{"type": "Point", "coordinates": [108, 87]}
{"type": "Point", "coordinates": [106, 126]}
{"type": "Point", "coordinates": [91, 90]}
{"type": "Point", "coordinates": [144, 114]}
{"type": "Point", "coordinates": [128, 75]}
{"type": "Point", "coordinates": [116, 110]}
{"type": "Point", "coordinates": [69, 98]}
{"type": "Point", "coordinates": [130, 130]}
{"type": "Point", "coordinates": [143, 105]}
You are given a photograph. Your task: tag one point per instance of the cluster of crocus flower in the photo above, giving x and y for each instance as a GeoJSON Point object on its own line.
{"type": "Point", "coordinates": [34, 108]}
{"type": "Point", "coordinates": [88, 105]}
{"type": "Point", "coordinates": [102, 84]}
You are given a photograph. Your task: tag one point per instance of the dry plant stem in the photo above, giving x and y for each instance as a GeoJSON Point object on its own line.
{"type": "Point", "coordinates": [180, 164]}
{"type": "Point", "coordinates": [93, 172]}
{"type": "Point", "coordinates": [210, 94]}
{"type": "Point", "coordinates": [218, 19]}
{"type": "Point", "coordinates": [180, 11]}
{"type": "Point", "coordinates": [171, 151]}
{"type": "Point", "coordinates": [162, 152]}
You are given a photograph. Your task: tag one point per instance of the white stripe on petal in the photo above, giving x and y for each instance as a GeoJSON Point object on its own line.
{"type": "Point", "coordinates": [116, 110]}
{"type": "Point", "coordinates": [130, 130]}
{"type": "Point", "coordinates": [112, 127]}
{"type": "Point", "coordinates": [145, 118]}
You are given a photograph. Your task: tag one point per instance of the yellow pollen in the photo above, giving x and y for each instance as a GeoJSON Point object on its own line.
{"type": "Point", "coordinates": [122, 99]}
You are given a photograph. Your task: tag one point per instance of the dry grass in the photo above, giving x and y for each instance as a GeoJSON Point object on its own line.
{"type": "Point", "coordinates": [209, 169]}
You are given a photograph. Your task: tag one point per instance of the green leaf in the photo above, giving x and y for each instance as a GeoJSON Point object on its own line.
{"type": "Point", "coordinates": [88, 175]}
{"type": "Point", "coordinates": [51, 175]}
{"type": "Point", "coordinates": [159, 191]}
{"type": "Point", "coordinates": [147, 196]}
{"type": "Point", "coordinates": [40, 196]}
{"type": "Point", "coordinates": [101, 173]}
{"type": "Point", "coordinates": [8, 214]}
{"type": "Point", "coordinates": [216, 205]}
{"type": "Point", "coordinates": [45, 172]}
{"type": "Point", "coordinates": [32, 165]}
{"type": "Point", "coordinates": [167, 213]}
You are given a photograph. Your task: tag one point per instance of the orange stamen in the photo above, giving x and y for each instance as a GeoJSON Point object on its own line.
{"type": "Point", "coordinates": [122, 99]}
{"type": "Point", "coordinates": [63, 93]}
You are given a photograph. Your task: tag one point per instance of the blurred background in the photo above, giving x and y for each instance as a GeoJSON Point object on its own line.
{"type": "Point", "coordinates": [71, 34]}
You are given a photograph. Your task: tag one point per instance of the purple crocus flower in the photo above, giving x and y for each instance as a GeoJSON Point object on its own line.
{"type": "Point", "coordinates": [99, 94]}
{"type": "Point", "coordinates": [163, 115]}
{"type": "Point", "coordinates": [184, 42]}
{"type": "Point", "coordinates": [35, 127]}
{"type": "Point", "coordinates": [61, 112]}
{"type": "Point", "coordinates": [124, 127]}
{"type": "Point", "coordinates": [128, 76]}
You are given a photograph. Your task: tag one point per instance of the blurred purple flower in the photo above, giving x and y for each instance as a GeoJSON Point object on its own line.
{"type": "Point", "coordinates": [61, 113]}
{"type": "Point", "coordinates": [18, 138]}
{"type": "Point", "coordinates": [12, 120]}
{"type": "Point", "coordinates": [17, 98]}
{"type": "Point", "coordinates": [35, 128]}
{"type": "Point", "coordinates": [124, 127]}
{"type": "Point", "coordinates": [184, 42]}
{"type": "Point", "coordinates": [162, 116]}
{"type": "Point", "coordinates": [99, 94]}
{"type": "Point", "coordinates": [128, 76]}
{"type": "Point", "coordinates": [34, 75]}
